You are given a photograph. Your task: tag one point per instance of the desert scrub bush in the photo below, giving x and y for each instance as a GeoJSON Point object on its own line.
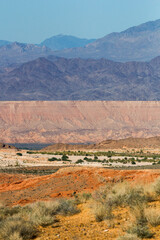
{"type": "Point", "coordinates": [153, 216]}
{"type": "Point", "coordinates": [102, 212]}
{"type": "Point", "coordinates": [67, 207]}
{"type": "Point", "coordinates": [82, 197]}
{"type": "Point", "coordinates": [134, 195]}
{"type": "Point", "coordinates": [15, 236]}
{"type": "Point", "coordinates": [140, 225]}
{"type": "Point", "coordinates": [123, 195]}
{"type": "Point", "coordinates": [128, 237]}
{"type": "Point", "coordinates": [103, 203]}
{"type": "Point", "coordinates": [43, 213]}
{"type": "Point", "coordinates": [14, 226]}
{"type": "Point", "coordinates": [8, 211]}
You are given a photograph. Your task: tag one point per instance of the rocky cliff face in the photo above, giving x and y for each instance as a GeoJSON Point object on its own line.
{"type": "Point", "coordinates": [77, 121]}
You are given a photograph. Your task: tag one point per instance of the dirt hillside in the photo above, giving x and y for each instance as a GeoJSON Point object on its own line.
{"type": "Point", "coordinates": [21, 189]}
{"type": "Point", "coordinates": [135, 143]}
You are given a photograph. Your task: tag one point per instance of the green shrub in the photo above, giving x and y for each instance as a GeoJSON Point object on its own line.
{"type": "Point", "coordinates": [19, 154]}
{"type": "Point", "coordinates": [65, 158]}
{"type": "Point", "coordinates": [133, 162]}
{"type": "Point", "coordinates": [67, 207]}
{"type": "Point", "coordinates": [79, 161]}
{"type": "Point", "coordinates": [54, 159]}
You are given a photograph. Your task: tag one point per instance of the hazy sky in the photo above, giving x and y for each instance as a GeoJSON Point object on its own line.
{"type": "Point", "coordinates": [35, 20]}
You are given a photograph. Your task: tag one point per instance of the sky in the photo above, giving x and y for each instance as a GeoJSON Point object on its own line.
{"type": "Point", "coordinates": [32, 21]}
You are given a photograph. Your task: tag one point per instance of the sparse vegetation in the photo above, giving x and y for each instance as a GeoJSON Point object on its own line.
{"type": "Point", "coordinates": [140, 225]}
{"type": "Point", "coordinates": [22, 223]}
{"type": "Point", "coordinates": [107, 199]}
{"type": "Point", "coordinates": [82, 197]}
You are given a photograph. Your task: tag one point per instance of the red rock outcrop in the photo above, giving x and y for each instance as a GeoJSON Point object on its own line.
{"type": "Point", "coordinates": [77, 121]}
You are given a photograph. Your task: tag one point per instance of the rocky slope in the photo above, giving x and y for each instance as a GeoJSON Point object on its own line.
{"type": "Point", "coordinates": [77, 122]}
{"type": "Point", "coordinates": [78, 79]}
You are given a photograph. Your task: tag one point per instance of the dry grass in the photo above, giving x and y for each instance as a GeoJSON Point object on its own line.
{"type": "Point", "coordinates": [153, 216]}
{"type": "Point", "coordinates": [21, 223]}
{"type": "Point", "coordinates": [82, 197]}
{"type": "Point", "coordinates": [128, 237]}
{"type": "Point", "coordinates": [12, 226]}
{"type": "Point", "coordinates": [157, 186]}
{"type": "Point", "coordinates": [135, 198]}
{"type": "Point", "coordinates": [140, 223]}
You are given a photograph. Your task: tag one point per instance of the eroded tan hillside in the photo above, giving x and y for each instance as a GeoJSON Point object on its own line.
{"type": "Point", "coordinates": [75, 122]}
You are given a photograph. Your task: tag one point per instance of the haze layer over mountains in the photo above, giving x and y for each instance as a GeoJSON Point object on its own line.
{"type": "Point", "coordinates": [70, 68]}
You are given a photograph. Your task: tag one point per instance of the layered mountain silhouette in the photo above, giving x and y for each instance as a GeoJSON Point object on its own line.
{"type": "Point", "coordinates": [61, 41]}
{"type": "Point", "coordinates": [36, 72]}
{"type": "Point", "coordinates": [81, 79]}
{"type": "Point", "coordinates": [140, 43]}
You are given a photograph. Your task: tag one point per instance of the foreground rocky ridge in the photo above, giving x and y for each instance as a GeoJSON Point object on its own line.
{"type": "Point", "coordinates": [77, 121]}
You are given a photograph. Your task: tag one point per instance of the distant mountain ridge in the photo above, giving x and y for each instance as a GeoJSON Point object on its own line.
{"type": "Point", "coordinates": [61, 41]}
{"type": "Point", "coordinates": [54, 78]}
{"type": "Point", "coordinates": [20, 52]}
{"type": "Point", "coordinates": [139, 43]}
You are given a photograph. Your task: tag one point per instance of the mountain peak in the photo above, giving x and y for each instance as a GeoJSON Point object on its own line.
{"type": "Point", "coordinates": [60, 42]}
